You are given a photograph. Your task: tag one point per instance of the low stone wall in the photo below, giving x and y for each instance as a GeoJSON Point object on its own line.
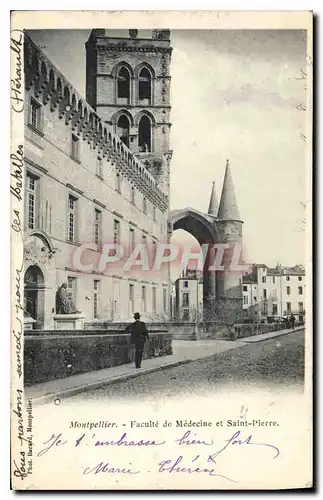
{"type": "Point", "coordinates": [50, 355]}
{"type": "Point", "coordinates": [248, 330]}
{"type": "Point", "coordinates": [206, 330]}
{"type": "Point", "coordinates": [119, 327]}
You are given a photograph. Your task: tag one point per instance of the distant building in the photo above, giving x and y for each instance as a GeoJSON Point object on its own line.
{"type": "Point", "coordinates": [189, 296]}
{"type": "Point", "coordinates": [272, 293]}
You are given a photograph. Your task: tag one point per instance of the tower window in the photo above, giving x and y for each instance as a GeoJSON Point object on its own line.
{"type": "Point", "coordinates": [145, 85]}
{"type": "Point", "coordinates": [123, 129]}
{"type": "Point", "coordinates": [144, 134]}
{"type": "Point", "coordinates": [123, 91]}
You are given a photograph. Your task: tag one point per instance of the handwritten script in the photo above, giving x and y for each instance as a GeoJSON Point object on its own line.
{"type": "Point", "coordinates": [17, 91]}
{"type": "Point", "coordinates": [205, 461]}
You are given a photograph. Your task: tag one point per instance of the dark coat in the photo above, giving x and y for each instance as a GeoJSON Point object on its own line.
{"type": "Point", "coordinates": [138, 332]}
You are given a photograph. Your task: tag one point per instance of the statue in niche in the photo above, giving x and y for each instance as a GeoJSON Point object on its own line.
{"type": "Point", "coordinates": [64, 304]}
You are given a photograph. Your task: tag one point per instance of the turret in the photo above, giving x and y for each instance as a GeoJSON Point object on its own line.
{"type": "Point", "coordinates": [228, 209]}
{"type": "Point", "coordinates": [229, 281]}
{"type": "Point", "coordinates": [213, 205]}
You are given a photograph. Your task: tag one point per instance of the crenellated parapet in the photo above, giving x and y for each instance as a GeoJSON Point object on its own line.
{"type": "Point", "coordinates": [50, 85]}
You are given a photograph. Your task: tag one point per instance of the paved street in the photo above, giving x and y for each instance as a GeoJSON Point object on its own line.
{"type": "Point", "coordinates": [270, 364]}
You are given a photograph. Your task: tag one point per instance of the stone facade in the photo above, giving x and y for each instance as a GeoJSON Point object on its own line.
{"type": "Point", "coordinates": [84, 185]}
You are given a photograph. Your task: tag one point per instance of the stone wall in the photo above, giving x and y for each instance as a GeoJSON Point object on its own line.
{"type": "Point", "coordinates": [119, 326]}
{"type": "Point", "coordinates": [50, 355]}
{"type": "Point", "coordinates": [248, 330]}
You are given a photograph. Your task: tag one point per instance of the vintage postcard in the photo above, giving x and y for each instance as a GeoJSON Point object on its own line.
{"type": "Point", "coordinates": [161, 279]}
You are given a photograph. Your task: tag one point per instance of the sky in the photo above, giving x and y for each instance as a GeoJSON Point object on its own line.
{"type": "Point", "coordinates": [235, 95]}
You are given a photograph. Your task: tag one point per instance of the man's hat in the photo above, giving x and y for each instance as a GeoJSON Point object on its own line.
{"type": "Point", "coordinates": [136, 316]}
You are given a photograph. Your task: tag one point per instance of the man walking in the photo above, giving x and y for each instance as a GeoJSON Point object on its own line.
{"type": "Point", "coordinates": [138, 337]}
{"type": "Point", "coordinates": [292, 321]}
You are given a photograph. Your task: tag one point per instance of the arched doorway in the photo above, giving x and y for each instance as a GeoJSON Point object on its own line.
{"type": "Point", "coordinates": [34, 295]}
{"type": "Point", "coordinates": [201, 232]}
{"type": "Point", "coordinates": [123, 127]}
{"type": "Point", "coordinates": [144, 134]}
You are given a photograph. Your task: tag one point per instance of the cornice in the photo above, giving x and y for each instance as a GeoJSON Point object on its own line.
{"type": "Point", "coordinates": [114, 48]}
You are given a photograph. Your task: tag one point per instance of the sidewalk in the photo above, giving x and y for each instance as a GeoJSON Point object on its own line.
{"type": "Point", "coordinates": [269, 335]}
{"type": "Point", "coordinates": [184, 351]}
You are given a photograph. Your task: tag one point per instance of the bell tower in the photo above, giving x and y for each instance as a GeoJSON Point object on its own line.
{"type": "Point", "coordinates": [128, 85]}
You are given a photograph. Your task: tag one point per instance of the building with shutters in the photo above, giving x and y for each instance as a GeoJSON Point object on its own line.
{"type": "Point", "coordinates": [272, 293]}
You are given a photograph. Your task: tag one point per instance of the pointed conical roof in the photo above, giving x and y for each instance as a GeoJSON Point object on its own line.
{"type": "Point", "coordinates": [214, 205]}
{"type": "Point", "coordinates": [228, 209]}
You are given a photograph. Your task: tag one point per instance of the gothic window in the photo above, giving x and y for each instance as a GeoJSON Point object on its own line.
{"type": "Point", "coordinates": [123, 129]}
{"type": "Point", "coordinates": [145, 86]}
{"type": "Point", "coordinates": [144, 136]}
{"type": "Point", "coordinates": [123, 84]}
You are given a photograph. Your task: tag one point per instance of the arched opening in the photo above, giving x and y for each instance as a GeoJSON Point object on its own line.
{"type": "Point", "coordinates": [193, 234]}
{"type": "Point", "coordinates": [145, 86]}
{"type": "Point", "coordinates": [187, 296]}
{"type": "Point", "coordinates": [123, 127]}
{"type": "Point", "coordinates": [123, 86]}
{"type": "Point", "coordinates": [144, 134]}
{"type": "Point", "coordinates": [34, 295]}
